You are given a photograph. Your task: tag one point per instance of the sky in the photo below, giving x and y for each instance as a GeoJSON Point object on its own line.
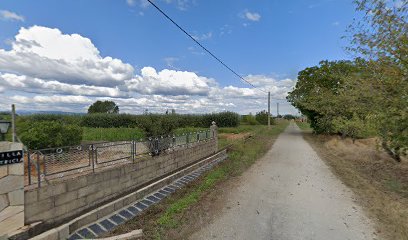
{"type": "Point", "coordinates": [64, 55]}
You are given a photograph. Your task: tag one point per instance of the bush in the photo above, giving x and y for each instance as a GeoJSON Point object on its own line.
{"type": "Point", "coordinates": [262, 118]}
{"type": "Point", "coordinates": [48, 134]}
{"type": "Point", "coordinates": [249, 119]}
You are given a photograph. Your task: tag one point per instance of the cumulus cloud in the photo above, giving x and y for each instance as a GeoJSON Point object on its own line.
{"type": "Point", "coordinates": [49, 70]}
{"type": "Point", "coordinates": [169, 82]}
{"type": "Point", "coordinates": [11, 16]}
{"type": "Point", "coordinates": [47, 53]}
{"type": "Point", "coordinates": [36, 85]}
{"type": "Point", "coordinates": [252, 16]}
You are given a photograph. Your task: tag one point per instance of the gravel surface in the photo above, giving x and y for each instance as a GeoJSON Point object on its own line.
{"type": "Point", "coordinates": [289, 194]}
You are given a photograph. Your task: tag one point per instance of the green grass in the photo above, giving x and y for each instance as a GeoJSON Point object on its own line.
{"type": "Point", "coordinates": [242, 155]}
{"type": "Point", "coordinates": [305, 126]}
{"type": "Point", "coordinates": [111, 134]}
{"type": "Point", "coordinates": [179, 131]}
{"type": "Point", "coordinates": [240, 129]}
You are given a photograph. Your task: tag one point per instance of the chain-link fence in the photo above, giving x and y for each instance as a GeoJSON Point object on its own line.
{"type": "Point", "coordinates": [46, 164]}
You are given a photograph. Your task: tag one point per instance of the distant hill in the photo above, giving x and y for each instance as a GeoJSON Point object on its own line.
{"type": "Point", "coordinates": [28, 112]}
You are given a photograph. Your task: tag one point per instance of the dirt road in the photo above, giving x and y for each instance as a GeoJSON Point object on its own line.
{"type": "Point", "coordinates": [289, 194]}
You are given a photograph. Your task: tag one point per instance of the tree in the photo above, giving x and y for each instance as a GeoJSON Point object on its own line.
{"type": "Point", "coordinates": [103, 107]}
{"type": "Point", "coordinates": [381, 37]}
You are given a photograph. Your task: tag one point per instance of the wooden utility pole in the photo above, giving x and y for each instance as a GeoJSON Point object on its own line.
{"type": "Point", "coordinates": [277, 108]}
{"type": "Point", "coordinates": [13, 123]}
{"type": "Point", "coordinates": [269, 109]}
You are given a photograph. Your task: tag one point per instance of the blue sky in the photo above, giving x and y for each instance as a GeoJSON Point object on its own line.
{"type": "Point", "coordinates": [267, 42]}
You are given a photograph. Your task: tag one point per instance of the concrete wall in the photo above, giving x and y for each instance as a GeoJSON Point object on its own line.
{"type": "Point", "coordinates": [59, 201]}
{"type": "Point", "coordinates": [11, 192]}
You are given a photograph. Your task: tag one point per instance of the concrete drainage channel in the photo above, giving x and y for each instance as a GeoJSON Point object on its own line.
{"type": "Point", "coordinates": [131, 211]}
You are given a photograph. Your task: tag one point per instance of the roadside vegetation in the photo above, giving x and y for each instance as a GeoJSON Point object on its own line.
{"type": "Point", "coordinates": [365, 97]}
{"type": "Point", "coordinates": [379, 183]}
{"type": "Point", "coordinates": [183, 212]}
{"type": "Point", "coordinates": [40, 131]}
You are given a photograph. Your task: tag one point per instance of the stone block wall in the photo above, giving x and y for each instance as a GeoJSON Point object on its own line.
{"type": "Point", "coordinates": [11, 192]}
{"type": "Point", "coordinates": [58, 201]}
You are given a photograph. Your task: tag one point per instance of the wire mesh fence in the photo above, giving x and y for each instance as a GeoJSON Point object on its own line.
{"type": "Point", "coordinates": [45, 164]}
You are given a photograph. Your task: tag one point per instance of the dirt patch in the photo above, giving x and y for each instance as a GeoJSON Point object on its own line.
{"type": "Point", "coordinates": [380, 182]}
{"type": "Point", "coordinates": [234, 136]}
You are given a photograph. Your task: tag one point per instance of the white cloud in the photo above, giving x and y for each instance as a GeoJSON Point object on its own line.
{"type": "Point", "coordinates": [169, 82]}
{"type": "Point", "coordinates": [336, 23]}
{"type": "Point", "coordinates": [49, 54]}
{"type": "Point", "coordinates": [36, 85]}
{"type": "Point", "coordinates": [131, 2]}
{"type": "Point", "coordinates": [203, 37]}
{"type": "Point", "coordinates": [252, 16]}
{"type": "Point", "coordinates": [55, 99]}
{"type": "Point", "coordinates": [7, 15]}
{"type": "Point", "coordinates": [48, 70]}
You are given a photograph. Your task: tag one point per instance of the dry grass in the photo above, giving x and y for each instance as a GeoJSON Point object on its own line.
{"type": "Point", "coordinates": [380, 183]}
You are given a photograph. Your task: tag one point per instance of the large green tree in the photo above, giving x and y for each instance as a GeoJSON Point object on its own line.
{"type": "Point", "coordinates": [103, 107]}
{"type": "Point", "coordinates": [381, 37]}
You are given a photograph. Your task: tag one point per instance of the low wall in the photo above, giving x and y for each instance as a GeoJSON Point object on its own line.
{"type": "Point", "coordinates": [52, 204]}
{"type": "Point", "coordinates": [11, 192]}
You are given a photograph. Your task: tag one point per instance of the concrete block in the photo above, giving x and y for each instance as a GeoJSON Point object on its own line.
{"type": "Point", "coordinates": [30, 196]}
{"type": "Point", "coordinates": [87, 190]}
{"type": "Point", "coordinates": [63, 231]}
{"type": "Point", "coordinates": [16, 169]}
{"type": "Point", "coordinates": [76, 183]}
{"type": "Point", "coordinates": [65, 197]}
{"type": "Point", "coordinates": [92, 198]}
{"type": "Point", "coordinates": [49, 235]}
{"type": "Point", "coordinates": [3, 171]}
{"type": "Point", "coordinates": [4, 202]}
{"type": "Point", "coordinates": [105, 210]}
{"type": "Point", "coordinates": [88, 218]}
{"type": "Point", "coordinates": [37, 207]}
{"type": "Point", "coordinates": [95, 178]}
{"type": "Point", "coordinates": [16, 198]}
{"type": "Point", "coordinates": [118, 204]}
{"type": "Point", "coordinates": [11, 183]}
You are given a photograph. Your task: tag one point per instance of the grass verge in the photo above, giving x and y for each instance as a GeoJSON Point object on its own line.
{"type": "Point", "coordinates": [379, 183]}
{"type": "Point", "coordinates": [183, 212]}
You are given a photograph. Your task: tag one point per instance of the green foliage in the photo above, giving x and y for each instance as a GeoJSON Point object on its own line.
{"type": "Point", "coordinates": [47, 134]}
{"type": "Point", "coordinates": [111, 134]}
{"type": "Point", "coordinates": [262, 118]}
{"type": "Point", "coordinates": [369, 94]}
{"type": "Point", "coordinates": [103, 107]}
{"type": "Point", "coordinates": [103, 120]}
{"type": "Point", "coordinates": [289, 117]}
{"type": "Point", "coordinates": [249, 119]}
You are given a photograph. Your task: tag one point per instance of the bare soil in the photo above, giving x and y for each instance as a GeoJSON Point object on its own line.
{"type": "Point", "coordinates": [380, 183]}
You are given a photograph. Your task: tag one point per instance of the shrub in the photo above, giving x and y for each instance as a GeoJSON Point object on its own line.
{"type": "Point", "coordinates": [48, 134]}
{"type": "Point", "coordinates": [262, 118]}
{"type": "Point", "coordinates": [249, 119]}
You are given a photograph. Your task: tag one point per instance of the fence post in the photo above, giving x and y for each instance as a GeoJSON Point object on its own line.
{"type": "Point", "coordinates": [214, 134]}
{"type": "Point", "coordinates": [38, 170]}
{"type": "Point", "coordinates": [92, 154]}
{"type": "Point", "coordinates": [174, 141]}
{"type": "Point", "coordinates": [188, 138]}
{"type": "Point", "coordinates": [198, 136]}
{"type": "Point", "coordinates": [29, 167]}
{"type": "Point", "coordinates": [133, 150]}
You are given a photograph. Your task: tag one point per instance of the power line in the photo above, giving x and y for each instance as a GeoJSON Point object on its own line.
{"type": "Point", "coordinates": [205, 49]}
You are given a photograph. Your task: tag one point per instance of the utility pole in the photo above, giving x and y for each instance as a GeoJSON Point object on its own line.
{"type": "Point", "coordinates": [13, 123]}
{"type": "Point", "coordinates": [269, 109]}
{"type": "Point", "coordinates": [277, 108]}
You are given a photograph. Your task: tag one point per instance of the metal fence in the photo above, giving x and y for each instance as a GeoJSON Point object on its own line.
{"type": "Point", "coordinates": [46, 164]}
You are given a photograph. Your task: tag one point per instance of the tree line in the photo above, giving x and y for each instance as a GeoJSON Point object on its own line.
{"type": "Point", "coordinates": [367, 96]}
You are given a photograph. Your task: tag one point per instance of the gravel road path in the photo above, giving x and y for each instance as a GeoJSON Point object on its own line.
{"type": "Point", "coordinates": [289, 194]}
